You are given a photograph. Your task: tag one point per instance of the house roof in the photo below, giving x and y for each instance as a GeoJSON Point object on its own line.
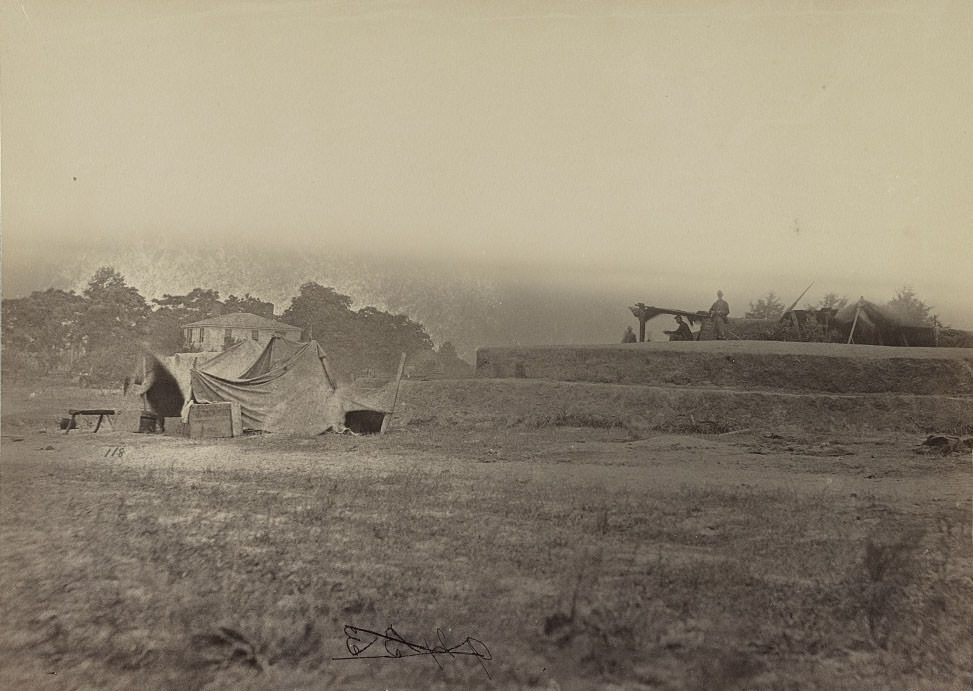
{"type": "Point", "coordinates": [242, 320]}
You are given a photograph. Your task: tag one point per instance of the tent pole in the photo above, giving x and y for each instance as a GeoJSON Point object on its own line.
{"type": "Point", "coordinates": [395, 396]}
{"type": "Point", "coordinates": [854, 323]}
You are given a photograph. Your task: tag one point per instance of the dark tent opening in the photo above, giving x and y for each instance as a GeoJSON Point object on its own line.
{"type": "Point", "coordinates": [164, 396]}
{"type": "Point", "coordinates": [161, 395]}
{"type": "Point", "coordinates": [364, 421]}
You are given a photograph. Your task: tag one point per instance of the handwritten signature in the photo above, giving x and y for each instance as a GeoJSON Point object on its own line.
{"type": "Point", "coordinates": [360, 642]}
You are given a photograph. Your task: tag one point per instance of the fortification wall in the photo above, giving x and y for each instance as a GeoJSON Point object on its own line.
{"type": "Point", "coordinates": [539, 403]}
{"type": "Point", "coordinates": [742, 365]}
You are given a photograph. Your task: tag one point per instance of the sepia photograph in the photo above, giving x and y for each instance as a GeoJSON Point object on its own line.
{"type": "Point", "coordinates": [486, 344]}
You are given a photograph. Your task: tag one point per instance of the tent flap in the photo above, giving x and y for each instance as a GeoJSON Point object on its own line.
{"type": "Point", "coordinates": [287, 389]}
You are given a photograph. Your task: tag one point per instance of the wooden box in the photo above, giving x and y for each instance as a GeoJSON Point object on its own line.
{"type": "Point", "coordinates": [215, 420]}
{"type": "Point", "coordinates": [175, 427]}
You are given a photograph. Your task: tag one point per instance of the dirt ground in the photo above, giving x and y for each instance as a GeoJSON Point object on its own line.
{"type": "Point", "coordinates": [519, 556]}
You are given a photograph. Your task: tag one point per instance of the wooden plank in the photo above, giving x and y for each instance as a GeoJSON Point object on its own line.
{"type": "Point", "coordinates": [395, 396]}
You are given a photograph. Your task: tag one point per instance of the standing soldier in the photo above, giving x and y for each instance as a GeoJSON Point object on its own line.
{"type": "Point", "coordinates": [629, 336]}
{"type": "Point", "coordinates": [718, 313]}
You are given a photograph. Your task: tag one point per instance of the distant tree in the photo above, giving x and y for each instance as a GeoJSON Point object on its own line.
{"type": "Point", "coordinates": [907, 305]}
{"type": "Point", "coordinates": [383, 337]}
{"type": "Point", "coordinates": [407, 335]}
{"type": "Point", "coordinates": [447, 349]}
{"type": "Point", "coordinates": [249, 304]}
{"type": "Point", "coordinates": [317, 307]}
{"type": "Point", "coordinates": [366, 339]}
{"type": "Point", "coordinates": [114, 323]}
{"type": "Point", "coordinates": [450, 361]}
{"type": "Point", "coordinates": [199, 303]}
{"type": "Point", "coordinates": [164, 331]}
{"type": "Point", "coordinates": [115, 310]}
{"type": "Point", "coordinates": [769, 307]}
{"type": "Point", "coordinates": [46, 326]}
{"type": "Point", "coordinates": [831, 301]}
{"type": "Point", "coordinates": [326, 315]}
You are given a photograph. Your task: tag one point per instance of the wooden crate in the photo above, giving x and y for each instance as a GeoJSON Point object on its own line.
{"type": "Point", "coordinates": [175, 427]}
{"type": "Point", "coordinates": [215, 420]}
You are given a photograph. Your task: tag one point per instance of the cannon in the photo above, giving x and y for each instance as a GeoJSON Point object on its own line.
{"type": "Point", "coordinates": [645, 312]}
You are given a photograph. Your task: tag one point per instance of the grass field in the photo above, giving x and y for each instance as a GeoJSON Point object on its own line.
{"type": "Point", "coordinates": [577, 557]}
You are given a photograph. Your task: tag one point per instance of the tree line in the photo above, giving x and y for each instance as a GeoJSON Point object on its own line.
{"type": "Point", "coordinates": [816, 323]}
{"type": "Point", "coordinates": [906, 304]}
{"type": "Point", "coordinates": [98, 333]}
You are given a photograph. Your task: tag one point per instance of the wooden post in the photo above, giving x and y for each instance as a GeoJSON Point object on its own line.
{"type": "Point", "coordinates": [854, 323]}
{"type": "Point", "coordinates": [395, 396]}
{"type": "Point", "coordinates": [639, 311]}
{"type": "Point", "coordinates": [145, 373]}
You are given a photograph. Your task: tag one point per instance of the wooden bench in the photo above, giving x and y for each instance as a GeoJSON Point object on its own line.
{"type": "Point", "coordinates": [102, 413]}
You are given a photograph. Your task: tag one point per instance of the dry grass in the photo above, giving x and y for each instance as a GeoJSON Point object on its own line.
{"type": "Point", "coordinates": [184, 575]}
{"type": "Point", "coordinates": [578, 556]}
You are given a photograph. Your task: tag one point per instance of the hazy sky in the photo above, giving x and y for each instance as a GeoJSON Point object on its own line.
{"type": "Point", "coordinates": [657, 149]}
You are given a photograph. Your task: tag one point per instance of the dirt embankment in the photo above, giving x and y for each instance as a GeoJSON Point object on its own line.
{"type": "Point", "coordinates": [540, 403]}
{"type": "Point", "coordinates": [746, 365]}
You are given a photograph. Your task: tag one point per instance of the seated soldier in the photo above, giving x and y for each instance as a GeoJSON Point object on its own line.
{"type": "Point", "coordinates": [682, 332]}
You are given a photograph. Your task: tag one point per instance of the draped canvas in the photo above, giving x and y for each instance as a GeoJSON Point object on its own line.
{"type": "Point", "coordinates": [293, 394]}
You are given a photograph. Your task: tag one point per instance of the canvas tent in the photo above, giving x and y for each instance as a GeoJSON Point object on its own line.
{"type": "Point", "coordinates": [288, 388]}
{"type": "Point", "coordinates": [228, 363]}
{"type": "Point", "coordinates": [866, 322]}
{"type": "Point", "coordinates": [179, 365]}
{"type": "Point", "coordinates": [366, 402]}
{"type": "Point", "coordinates": [233, 361]}
{"type": "Point", "coordinates": [275, 352]}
